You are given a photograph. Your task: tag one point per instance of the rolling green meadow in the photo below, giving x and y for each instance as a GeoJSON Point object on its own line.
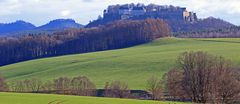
{"type": "Point", "coordinates": [132, 65]}
{"type": "Point", "coordinates": [7, 98]}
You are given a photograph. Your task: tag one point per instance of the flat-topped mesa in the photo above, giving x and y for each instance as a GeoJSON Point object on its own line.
{"type": "Point", "coordinates": [140, 11]}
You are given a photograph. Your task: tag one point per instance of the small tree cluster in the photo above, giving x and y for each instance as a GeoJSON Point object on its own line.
{"type": "Point", "coordinates": [76, 86]}
{"type": "Point", "coordinates": [117, 89]}
{"type": "Point", "coordinates": [204, 78]}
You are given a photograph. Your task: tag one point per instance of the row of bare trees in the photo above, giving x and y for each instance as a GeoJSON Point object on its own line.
{"type": "Point", "coordinates": [75, 86]}
{"type": "Point", "coordinates": [81, 86]}
{"type": "Point", "coordinates": [70, 86]}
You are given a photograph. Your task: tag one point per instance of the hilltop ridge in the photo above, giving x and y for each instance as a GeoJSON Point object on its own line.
{"type": "Point", "coordinates": [59, 24]}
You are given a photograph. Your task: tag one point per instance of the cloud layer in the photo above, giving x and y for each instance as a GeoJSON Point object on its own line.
{"type": "Point", "coordinates": [41, 11]}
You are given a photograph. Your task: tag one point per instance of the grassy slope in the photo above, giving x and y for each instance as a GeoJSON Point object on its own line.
{"type": "Point", "coordinates": [132, 65]}
{"type": "Point", "coordinates": [15, 98]}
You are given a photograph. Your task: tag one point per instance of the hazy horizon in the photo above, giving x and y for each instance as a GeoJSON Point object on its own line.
{"type": "Point", "coordinates": [40, 12]}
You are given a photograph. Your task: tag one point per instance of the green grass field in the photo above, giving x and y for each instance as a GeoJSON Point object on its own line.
{"type": "Point", "coordinates": [131, 65]}
{"type": "Point", "coordinates": [17, 98]}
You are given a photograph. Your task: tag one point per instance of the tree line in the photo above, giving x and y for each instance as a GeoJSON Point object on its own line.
{"type": "Point", "coordinates": [80, 85]}
{"type": "Point", "coordinates": [198, 77]}
{"type": "Point", "coordinates": [119, 34]}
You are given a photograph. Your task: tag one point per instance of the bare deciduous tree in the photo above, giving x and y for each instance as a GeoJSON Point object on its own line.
{"type": "Point", "coordinates": [18, 86]}
{"type": "Point", "coordinates": [82, 86]}
{"type": "Point", "coordinates": [3, 84]}
{"type": "Point", "coordinates": [48, 86]}
{"type": "Point", "coordinates": [35, 84]}
{"type": "Point", "coordinates": [155, 87]}
{"type": "Point", "coordinates": [225, 83]}
{"type": "Point", "coordinates": [197, 68]}
{"type": "Point", "coordinates": [174, 84]}
{"type": "Point", "coordinates": [62, 85]}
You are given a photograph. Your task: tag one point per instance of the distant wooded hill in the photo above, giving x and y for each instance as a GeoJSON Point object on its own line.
{"type": "Point", "coordinates": [15, 27]}
{"type": "Point", "coordinates": [60, 24]}
{"type": "Point", "coordinates": [115, 35]}
{"type": "Point", "coordinates": [21, 27]}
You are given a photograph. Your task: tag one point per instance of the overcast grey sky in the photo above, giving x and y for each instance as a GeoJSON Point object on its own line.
{"type": "Point", "coordinates": [40, 12]}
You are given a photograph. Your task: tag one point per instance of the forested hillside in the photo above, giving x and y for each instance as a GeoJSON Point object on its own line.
{"type": "Point", "coordinates": [20, 28]}
{"type": "Point", "coordinates": [116, 35]}
{"type": "Point", "coordinates": [232, 32]}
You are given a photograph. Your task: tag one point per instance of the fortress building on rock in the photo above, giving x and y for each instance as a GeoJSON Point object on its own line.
{"type": "Point", "coordinates": [170, 14]}
{"type": "Point", "coordinates": [140, 11]}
